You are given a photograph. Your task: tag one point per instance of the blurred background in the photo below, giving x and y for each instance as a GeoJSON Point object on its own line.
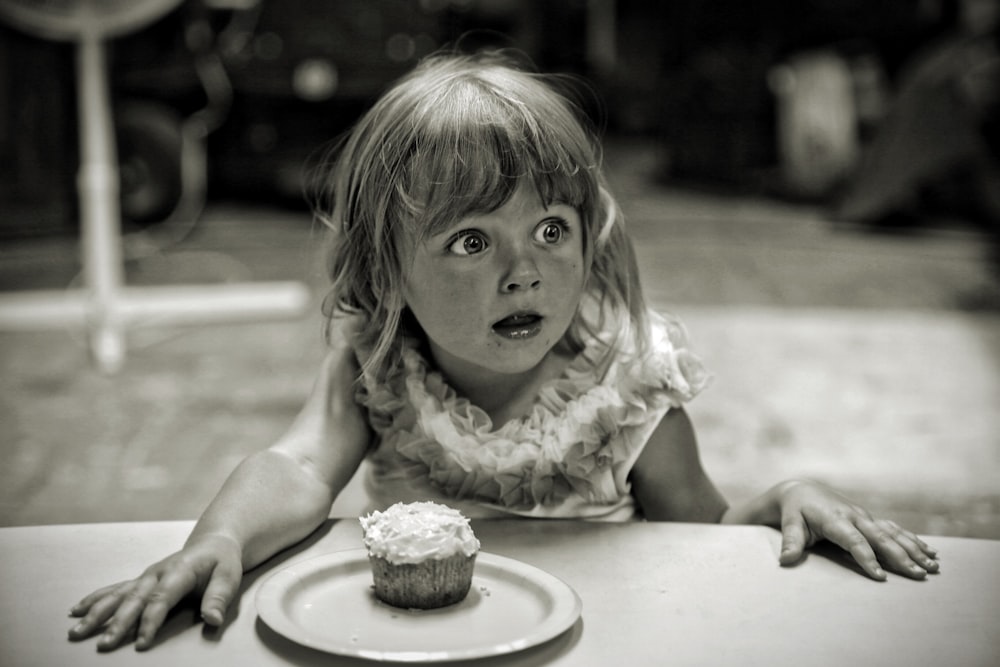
{"type": "Point", "coordinates": [813, 189]}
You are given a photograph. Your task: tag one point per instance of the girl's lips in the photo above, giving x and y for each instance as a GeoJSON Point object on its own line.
{"type": "Point", "coordinates": [519, 326]}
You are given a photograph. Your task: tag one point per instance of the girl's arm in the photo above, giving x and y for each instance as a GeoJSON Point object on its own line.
{"type": "Point", "coordinates": [668, 480]}
{"type": "Point", "coordinates": [278, 496]}
{"type": "Point", "coordinates": [272, 500]}
{"type": "Point", "coordinates": [669, 484]}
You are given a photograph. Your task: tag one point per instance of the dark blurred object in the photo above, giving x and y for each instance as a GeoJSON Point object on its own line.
{"type": "Point", "coordinates": [304, 70]}
{"type": "Point", "coordinates": [937, 148]}
{"type": "Point", "coordinates": [817, 122]}
{"type": "Point", "coordinates": [38, 153]}
{"type": "Point", "coordinates": [273, 81]}
{"type": "Point", "coordinates": [706, 91]}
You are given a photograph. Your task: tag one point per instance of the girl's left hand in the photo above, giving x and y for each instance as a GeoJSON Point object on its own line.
{"type": "Point", "coordinates": [811, 512]}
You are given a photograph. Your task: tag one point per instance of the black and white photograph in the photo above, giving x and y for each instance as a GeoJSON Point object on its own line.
{"type": "Point", "coordinates": [500, 333]}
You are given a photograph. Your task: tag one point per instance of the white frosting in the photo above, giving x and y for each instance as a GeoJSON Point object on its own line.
{"type": "Point", "coordinates": [414, 532]}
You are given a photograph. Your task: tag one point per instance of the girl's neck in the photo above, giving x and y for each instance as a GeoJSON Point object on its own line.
{"type": "Point", "coordinates": [509, 396]}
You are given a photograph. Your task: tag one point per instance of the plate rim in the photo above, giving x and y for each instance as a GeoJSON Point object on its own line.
{"type": "Point", "coordinates": [267, 601]}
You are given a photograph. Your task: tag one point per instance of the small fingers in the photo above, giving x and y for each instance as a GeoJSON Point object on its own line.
{"type": "Point", "coordinates": [170, 590]}
{"type": "Point", "coordinates": [113, 614]}
{"type": "Point", "coordinates": [900, 550]}
{"type": "Point", "coordinates": [94, 615]}
{"type": "Point", "coordinates": [122, 625]}
{"type": "Point", "coordinates": [925, 549]}
{"type": "Point", "coordinates": [848, 537]}
{"type": "Point", "coordinates": [83, 606]}
{"type": "Point", "coordinates": [96, 609]}
{"type": "Point", "coordinates": [131, 609]}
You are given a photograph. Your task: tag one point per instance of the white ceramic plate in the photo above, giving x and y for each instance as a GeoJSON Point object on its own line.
{"type": "Point", "coordinates": [328, 603]}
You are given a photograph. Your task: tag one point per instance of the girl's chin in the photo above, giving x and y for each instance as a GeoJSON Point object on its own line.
{"type": "Point", "coordinates": [499, 366]}
{"type": "Point", "coordinates": [514, 366]}
{"type": "Point", "coordinates": [503, 356]}
{"type": "Point", "coordinates": [525, 361]}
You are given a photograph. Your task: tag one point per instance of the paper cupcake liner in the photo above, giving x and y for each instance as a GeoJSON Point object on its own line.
{"type": "Point", "coordinates": [427, 585]}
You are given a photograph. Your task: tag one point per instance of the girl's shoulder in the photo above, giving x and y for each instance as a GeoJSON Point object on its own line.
{"type": "Point", "coordinates": [635, 364]}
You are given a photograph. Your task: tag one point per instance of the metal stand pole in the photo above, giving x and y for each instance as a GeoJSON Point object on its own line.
{"type": "Point", "coordinates": [98, 189]}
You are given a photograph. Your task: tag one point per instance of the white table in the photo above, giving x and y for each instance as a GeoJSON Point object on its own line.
{"type": "Point", "coordinates": [653, 594]}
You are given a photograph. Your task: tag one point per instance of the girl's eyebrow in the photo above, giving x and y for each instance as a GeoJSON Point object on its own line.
{"type": "Point", "coordinates": [559, 204]}
{"type": "Point", "coordinates": [450, 228]}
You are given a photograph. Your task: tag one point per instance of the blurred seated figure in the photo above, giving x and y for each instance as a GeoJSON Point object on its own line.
{"type": "Point", "coordinates": [938, 142]}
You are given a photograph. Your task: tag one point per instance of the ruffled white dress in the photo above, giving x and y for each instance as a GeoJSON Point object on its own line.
{"type": "Point", "coordinates": [569, 458]}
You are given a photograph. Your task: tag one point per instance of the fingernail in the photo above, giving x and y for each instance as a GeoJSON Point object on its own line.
{"type": "Point", "coordinates": [880, 573]}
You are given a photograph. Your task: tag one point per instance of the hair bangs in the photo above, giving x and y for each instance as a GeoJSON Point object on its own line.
{"type": "Point", "coordinates": [478, 140]}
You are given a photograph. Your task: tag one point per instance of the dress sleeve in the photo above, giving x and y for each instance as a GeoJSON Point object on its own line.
{"type": "Point", "coordinates": [666, 376]}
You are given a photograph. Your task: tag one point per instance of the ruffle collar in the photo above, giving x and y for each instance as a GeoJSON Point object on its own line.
{"type": "Point", "coordinates": [568, 443]}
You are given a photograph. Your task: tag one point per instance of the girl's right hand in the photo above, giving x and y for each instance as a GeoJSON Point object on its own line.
{"type": "Point", "coordinates": [209, 564]}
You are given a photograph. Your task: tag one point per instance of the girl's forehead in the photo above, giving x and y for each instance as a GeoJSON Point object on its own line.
{"type": "Point", "coordinates": [519, 199]}
{"type": "Point", "coordinates": [524, 201]}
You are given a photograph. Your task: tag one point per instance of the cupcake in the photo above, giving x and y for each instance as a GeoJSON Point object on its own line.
{"type": "Point", "coordinates": [422, 554]}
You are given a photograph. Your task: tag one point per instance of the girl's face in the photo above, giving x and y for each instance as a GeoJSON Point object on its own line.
{"type": "Point", "coordinates": [496, 292]}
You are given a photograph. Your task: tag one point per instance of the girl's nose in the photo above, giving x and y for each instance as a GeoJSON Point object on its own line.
{"type": "Point", "coordinates": [522, 275]}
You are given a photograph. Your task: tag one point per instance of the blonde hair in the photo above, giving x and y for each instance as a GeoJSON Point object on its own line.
{"type": "Point", "coordinates": [453, 138]}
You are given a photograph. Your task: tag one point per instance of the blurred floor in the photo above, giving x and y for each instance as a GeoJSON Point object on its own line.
{"type": "Point", "coordinates": [868, 360]}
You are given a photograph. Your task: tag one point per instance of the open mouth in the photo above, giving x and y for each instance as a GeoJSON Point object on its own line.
{"type": "Point", "coordinates": [519, 325]}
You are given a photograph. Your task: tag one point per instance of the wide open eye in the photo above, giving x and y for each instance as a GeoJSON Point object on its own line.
{"type": "Point", "coordinates": [551, 232]}
{"type": "Point", "coordinates": [468, 242]}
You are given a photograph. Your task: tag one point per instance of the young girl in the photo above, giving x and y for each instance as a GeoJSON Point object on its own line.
{"type": "Point", "coordinates": [489, 349]}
